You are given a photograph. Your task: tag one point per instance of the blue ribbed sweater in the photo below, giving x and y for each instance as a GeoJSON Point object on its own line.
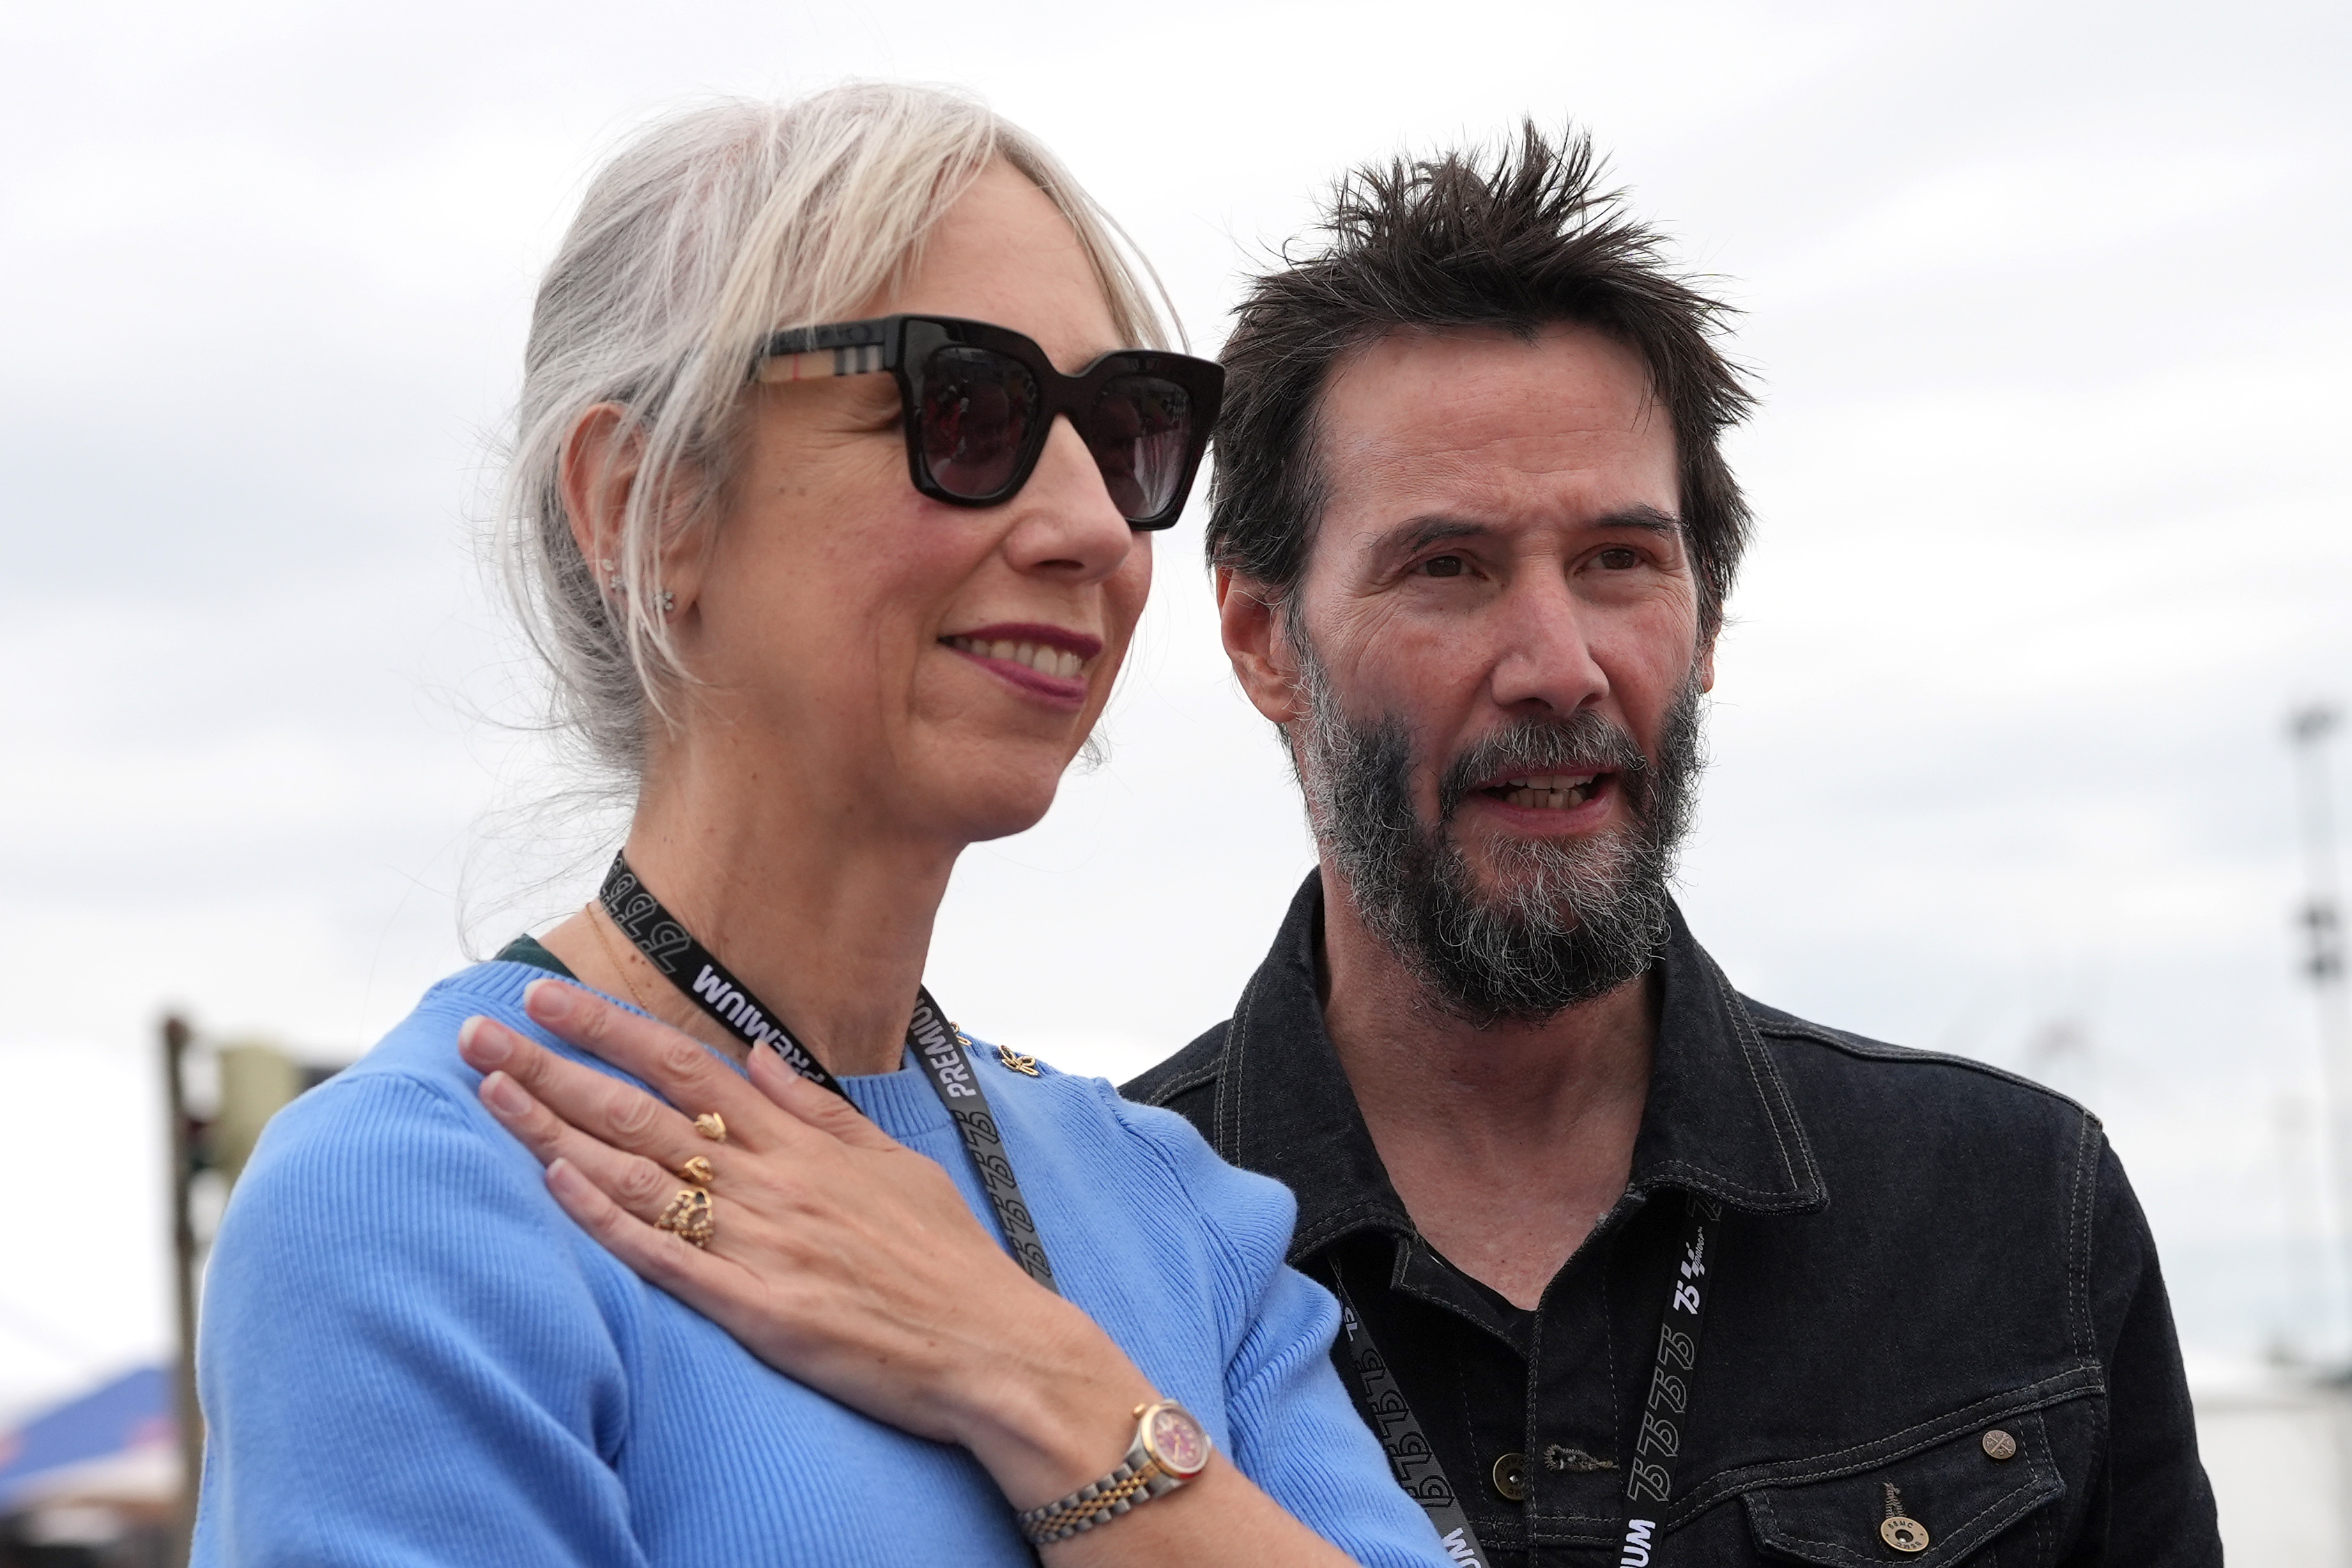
{"type": "Point", "coordinates": [410, 1356]}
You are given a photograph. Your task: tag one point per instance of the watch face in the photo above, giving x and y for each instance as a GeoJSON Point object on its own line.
{"type": "Point", "coordinates": [1175, 1441]}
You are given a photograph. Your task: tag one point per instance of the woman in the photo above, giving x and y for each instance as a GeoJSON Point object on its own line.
{"type": "Point", "coordinates": [841, 578]}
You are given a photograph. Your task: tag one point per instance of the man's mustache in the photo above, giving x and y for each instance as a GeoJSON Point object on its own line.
{"type": "Point", "coordinates": [1582, 741]}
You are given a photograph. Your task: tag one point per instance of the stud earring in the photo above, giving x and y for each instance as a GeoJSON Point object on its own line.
{"type": "Point", "coordinates": [668, 601]}
{"type": "Point", "coordinates": [611, 577]}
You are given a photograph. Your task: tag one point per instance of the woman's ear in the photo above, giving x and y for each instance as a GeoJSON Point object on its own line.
{"type": "Point", "coordinates": [597, 476]}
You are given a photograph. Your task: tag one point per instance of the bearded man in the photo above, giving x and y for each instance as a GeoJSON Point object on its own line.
{"type": "Point", "coordinates": [1630, 1266]}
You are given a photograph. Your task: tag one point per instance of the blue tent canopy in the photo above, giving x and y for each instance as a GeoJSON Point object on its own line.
{"type": "Point", "coordinates": [134, 1412]}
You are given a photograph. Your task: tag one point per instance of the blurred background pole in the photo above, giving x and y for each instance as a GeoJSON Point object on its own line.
{"type": "Point", "coordinates": [2310, 729]}
{"type": "Point", "coordinates": [183, 1277]}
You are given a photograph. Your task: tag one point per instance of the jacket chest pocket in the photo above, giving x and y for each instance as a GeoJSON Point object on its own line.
{"type": "Point", "coordinates": [1941, 1505]}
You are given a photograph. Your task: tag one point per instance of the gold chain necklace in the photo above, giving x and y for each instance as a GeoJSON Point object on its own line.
{"type": "Point", "coordinates": [596, 914]}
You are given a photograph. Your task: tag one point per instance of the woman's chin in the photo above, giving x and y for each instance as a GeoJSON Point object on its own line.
{"type": "Point", "coordinates": [1002, 806]}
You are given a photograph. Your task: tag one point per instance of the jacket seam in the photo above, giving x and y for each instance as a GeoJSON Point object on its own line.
{"type": "Point", "coordinates": [1185, 1084]}
{"type": "Point", "coordinates": [1340, 1223]}
{"type": "Point", "coordinates": [1778, 1105]}
{"type": "Point", "coordinates": [2036, 1484]}
{"type": "Point", "coordinates": [2078, 1264]}
{"type": "Point", "coordinates": [1879, 1051]}
{"type": "Point", "coordinates": [2083, 1382]}
{"type": "Point", "coordinates": [1228, 1108]}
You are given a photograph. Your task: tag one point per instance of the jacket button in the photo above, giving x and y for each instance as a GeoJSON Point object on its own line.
{"type": "Point", "coordinates": [1510, 1477]}
{"type": "Point", "coordinates": [1904, 1534]}
{"type": "Point", "coordinates": [2000, 1445]}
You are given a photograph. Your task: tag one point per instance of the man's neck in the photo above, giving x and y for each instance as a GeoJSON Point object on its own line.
{"type": "Point", "coordinates": [825, 920]}
{"type": "Point", "coordinates": [1506, 1144]}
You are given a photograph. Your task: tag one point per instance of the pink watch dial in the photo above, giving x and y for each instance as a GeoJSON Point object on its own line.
{"type": "Point", "coordinates": [1175, 1441]}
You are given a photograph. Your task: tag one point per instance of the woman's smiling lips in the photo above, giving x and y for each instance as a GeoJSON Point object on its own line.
{"type": "Point", "coordinates": [1049, 662]}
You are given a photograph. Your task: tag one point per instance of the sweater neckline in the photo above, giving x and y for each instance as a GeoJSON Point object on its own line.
{"type": "Point", "coordinates": [901, 1102]}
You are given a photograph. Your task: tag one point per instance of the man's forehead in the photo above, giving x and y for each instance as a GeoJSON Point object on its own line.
{"type": "Point", "coordinates": [1481, 421]}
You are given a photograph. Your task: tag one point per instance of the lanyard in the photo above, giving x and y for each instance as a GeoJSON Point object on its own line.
{"type": "Point", "coordinates": [1649, 1476]}
{"type": "Point", "coordinates": [939, 1045]}
{"type": "Point", "coordinates": [1411, 1459]}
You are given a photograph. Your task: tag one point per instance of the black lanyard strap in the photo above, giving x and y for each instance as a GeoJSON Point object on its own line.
{"type": "Point", "coordinates": [1411, 1459]}
{"type": "Point", "coordinates": [938, 1045]}
{"type": "Point", "coordinates": [1665, 1414]}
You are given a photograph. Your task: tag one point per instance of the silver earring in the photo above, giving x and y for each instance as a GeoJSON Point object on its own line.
{"type": "Point", "coordinates": [611, 577]}
{"type": "Point", "coordinates": [668, 601]}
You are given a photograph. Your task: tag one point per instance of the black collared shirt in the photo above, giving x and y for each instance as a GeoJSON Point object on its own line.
{"type": "Point", "coordinates": [1917, 1253]}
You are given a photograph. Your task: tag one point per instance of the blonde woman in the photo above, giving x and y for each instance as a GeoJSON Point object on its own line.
{"type": "Point", "coordinates": [843, 433]}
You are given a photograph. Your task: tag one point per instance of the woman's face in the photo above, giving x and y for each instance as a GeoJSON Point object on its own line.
{"type": "Point", "coordinates": [924, 668]}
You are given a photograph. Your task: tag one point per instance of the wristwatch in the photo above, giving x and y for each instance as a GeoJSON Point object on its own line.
{"type": "Point", "coordinates": [1171, 1447]}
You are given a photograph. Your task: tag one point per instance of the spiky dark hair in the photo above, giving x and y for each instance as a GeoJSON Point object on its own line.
{"type": "Point", "coordinates": [1516, 239]}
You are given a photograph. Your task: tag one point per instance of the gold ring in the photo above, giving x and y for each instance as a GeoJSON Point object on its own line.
{"type": "Point", "coordinates": [688, 1217]}
{"type": "Point", "coordinates": [711, 1125]}
{"type": "Point", "coordinates": [696, 1170]}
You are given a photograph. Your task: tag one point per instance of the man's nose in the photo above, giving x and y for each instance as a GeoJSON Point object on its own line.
{"type": "Point", "coordinates": [1544, 659]}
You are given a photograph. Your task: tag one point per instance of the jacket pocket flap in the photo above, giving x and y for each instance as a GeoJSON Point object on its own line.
{"type": "Point", "coordinates": [1929, 1508]}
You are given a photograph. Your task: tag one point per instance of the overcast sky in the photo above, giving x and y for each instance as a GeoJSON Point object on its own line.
{"type": "Point", "coordinates": [2047, 302]}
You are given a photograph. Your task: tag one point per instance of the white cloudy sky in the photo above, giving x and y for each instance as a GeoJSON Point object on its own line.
{"type": "Point", "coordinates": [2047, 299]}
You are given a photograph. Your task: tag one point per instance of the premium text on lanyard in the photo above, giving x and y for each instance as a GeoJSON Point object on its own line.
{"type": "Point", "coordinates": [695, 970]}
{"type": "Point", "coordinates": [1666, 1407]}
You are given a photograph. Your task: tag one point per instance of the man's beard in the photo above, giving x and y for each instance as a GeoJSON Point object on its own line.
{"type": "Point", "coordinates": [1569, 919]}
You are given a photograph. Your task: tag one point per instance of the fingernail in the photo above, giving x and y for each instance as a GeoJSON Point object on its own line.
{"type": "Point", "coordinates": [561, 1175]}
{"type": "Point", "coordinates": [504, 1095]}
{"type": "Point", "coordinates": [481, 1044]}
{"type": "Point", "coordinates": [548, 998]}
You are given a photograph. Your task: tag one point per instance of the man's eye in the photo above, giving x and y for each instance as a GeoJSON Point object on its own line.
{"type": "Point", "coordinates": [1617, 558]}
{"type": "Point", "coordinates": [1442, 566]}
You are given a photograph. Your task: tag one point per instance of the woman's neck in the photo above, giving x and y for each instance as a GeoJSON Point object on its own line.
{"type": "Point", "coordinates": [826, 920]}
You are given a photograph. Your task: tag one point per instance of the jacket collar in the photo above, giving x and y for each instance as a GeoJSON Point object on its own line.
{"type": "Point", "coordinates": [1719, 1121]}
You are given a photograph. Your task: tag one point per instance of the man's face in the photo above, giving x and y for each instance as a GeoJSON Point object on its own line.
{"type": "Point", "coordinates": [1495, 707]}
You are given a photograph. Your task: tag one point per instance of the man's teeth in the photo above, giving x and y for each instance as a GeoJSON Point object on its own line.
{"type": "Point", "coordinates": [1552, 793]}
{"type": "Point", "coordinates": [1045, 660]}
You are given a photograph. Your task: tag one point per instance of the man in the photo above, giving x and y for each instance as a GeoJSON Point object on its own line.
{"type": "Point", "coordinates": [1634, 1265]}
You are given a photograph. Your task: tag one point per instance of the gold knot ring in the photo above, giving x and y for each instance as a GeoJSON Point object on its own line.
{"type": "Point", "coordinates": [688, 1217]}
{"type": "Point", "coordinates": [711, 1125]}
{"type": "Point", "coordinates": [697, 1171]}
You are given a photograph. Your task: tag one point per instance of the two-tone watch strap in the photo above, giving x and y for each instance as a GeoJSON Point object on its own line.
{"type": "Point", "coordinates": [1136, 1480]}
{"type": "Point", "coordinates": [1169, 1449]}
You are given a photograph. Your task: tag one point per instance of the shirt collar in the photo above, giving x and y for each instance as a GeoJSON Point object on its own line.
{"type": "Point", "coordinates": [1718, 1121]}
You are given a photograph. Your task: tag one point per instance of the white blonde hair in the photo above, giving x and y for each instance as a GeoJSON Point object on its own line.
{"type": "Point", "coordinates": [708, 231]}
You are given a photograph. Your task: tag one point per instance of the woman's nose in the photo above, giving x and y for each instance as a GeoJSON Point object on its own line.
{"type": "Point", "coordinates": [1065, 519]}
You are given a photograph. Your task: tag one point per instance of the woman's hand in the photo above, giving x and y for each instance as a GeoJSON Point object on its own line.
{"type": "Point", "coordinates": [840, 1257]}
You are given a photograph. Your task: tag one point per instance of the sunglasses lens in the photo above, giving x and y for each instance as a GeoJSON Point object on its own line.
{"type": "Point", "coordinates": [978, 411]}
{"type": "Point", "coordinates": [1141, 430]}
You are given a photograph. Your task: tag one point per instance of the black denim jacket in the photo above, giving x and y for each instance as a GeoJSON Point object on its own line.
{"type": "Point", "coordinates": [1916, 1252]}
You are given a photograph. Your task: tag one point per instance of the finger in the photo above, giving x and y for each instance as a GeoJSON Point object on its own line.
{"type": "Point", "coordinates": [681, 1068]}
{"type": "Point", "coordinates": [679, 1267]}
{"type": "Point", "coordinates": [813, 1104]}
{"type": "Point", "coordinates": [641, 1187]}
{"type": "Point", "coordinates": [597, 1104]}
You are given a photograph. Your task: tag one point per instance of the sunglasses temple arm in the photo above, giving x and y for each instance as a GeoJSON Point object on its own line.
{"type": "Point", "coordinates": [862, 359]}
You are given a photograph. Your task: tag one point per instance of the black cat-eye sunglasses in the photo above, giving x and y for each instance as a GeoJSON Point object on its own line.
{"type": "Point", "coordinates": [980, 401]}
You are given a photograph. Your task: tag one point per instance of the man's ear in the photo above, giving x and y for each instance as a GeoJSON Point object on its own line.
{"type": "Point", "coordinates": [1706, 664]}
{"type": "Point", "coordinates": [1257, 640]}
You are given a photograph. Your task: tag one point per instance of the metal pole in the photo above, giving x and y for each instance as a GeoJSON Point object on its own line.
{"type": "Point", "coordinates": [176, 1036]}
{"type": "Point", "coordinates": [2308, 729]}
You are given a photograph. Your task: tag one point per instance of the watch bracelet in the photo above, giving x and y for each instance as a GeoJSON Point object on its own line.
{"type": "Point", "coordinates": [1094, 1503]}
